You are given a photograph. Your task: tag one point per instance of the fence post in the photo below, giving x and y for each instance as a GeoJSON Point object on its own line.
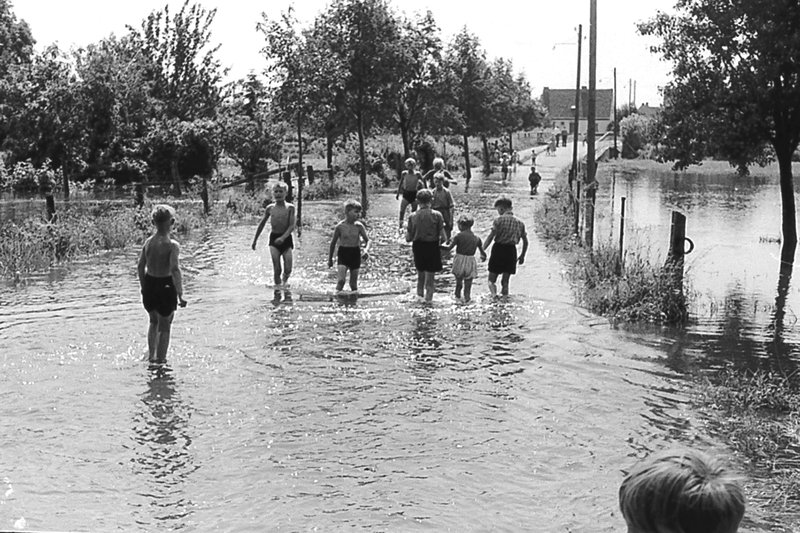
{"type": "Point", "coordinates": [677, 243]}
{"type": "Point", "coordinates": [577, 208]}
{"type": "Point", "coordinates": [287, 179]}
{"type": "Point", "coordinates": [310, 174]}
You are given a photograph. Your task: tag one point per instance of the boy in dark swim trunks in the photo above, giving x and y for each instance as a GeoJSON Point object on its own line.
{"type": "Point", "coordinates": [349, 233]}
{"type": "Point", "coordinates": [410, 183]}
{"type": "Point", "coordinates": [507, 230]}
{"type": "Point", "coordinates": [161, 282]}
{"type": "Point", "coordinates": [280, 237]}
{"type": "Point", "coordinates": [426, 233]}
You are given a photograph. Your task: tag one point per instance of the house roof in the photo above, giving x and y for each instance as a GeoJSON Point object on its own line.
{"type": "Point", "coordinates": [649, 111]}
{"type": "Point", "coordinates": [559, 103]}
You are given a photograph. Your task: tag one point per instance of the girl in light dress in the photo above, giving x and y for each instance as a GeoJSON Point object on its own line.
{"type": "Point", "coordinates": [465, 268]}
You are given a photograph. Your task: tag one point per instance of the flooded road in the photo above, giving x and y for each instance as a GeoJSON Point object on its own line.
{"type": "Point", "coordinates": [290, 411]}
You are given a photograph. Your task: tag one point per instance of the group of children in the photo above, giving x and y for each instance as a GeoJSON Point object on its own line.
{"type": "Point", "coordinates": [430, 228]}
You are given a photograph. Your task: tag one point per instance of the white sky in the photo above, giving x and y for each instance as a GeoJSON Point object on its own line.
{"type": "Point", "coordinates": [537, 35]}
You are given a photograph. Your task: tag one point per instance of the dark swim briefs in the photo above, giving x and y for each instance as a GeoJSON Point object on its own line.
{"type": "Point", "coordinates": [287, 244]}
{"type": "Point", "coordinates": [427, 257]}
{"type": "Point", "coordinates": [410, 196]}
{"type": "Point", "coordinates": [503, 259]}
{"type": "Point", "coordinates": [159, 295]}
{"type": "Point", "coordinates": [350, 256]}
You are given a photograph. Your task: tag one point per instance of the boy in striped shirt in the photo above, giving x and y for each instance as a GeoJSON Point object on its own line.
{"type": "Point", "coordinates": [507, 231]}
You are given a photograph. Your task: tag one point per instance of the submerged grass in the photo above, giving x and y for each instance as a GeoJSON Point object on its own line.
{"type": "Point", "coordinates": [627, 289]}
{"type": "Point", "coordinates": [758, 414]}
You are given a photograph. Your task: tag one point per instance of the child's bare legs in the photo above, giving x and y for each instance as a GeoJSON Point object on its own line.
{"type": "Point", "coordinates": [492, 285]}
{"type": "Point", "coordinates": [459, 284]}
{"type": "Point", "coordinates": [467, 289]}
{"type": "Point", "coordinates": [158, 336]}
{"type": "Point", "coordinates": [403, 207]}
{"type": "Point", "coordinates": [504, 283]}
{"type": "Point", "coordinates": [341, 274]}
{"type": "Point", "coordinates": [429, 279]}
{"type": "Point", "coordinates": [281, 275]}
{"type": "Point", "coordinates": [420, 283]}
{"type": "Point", "coordinates": [354, 279]}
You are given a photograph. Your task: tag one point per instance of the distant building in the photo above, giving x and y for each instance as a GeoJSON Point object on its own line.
{"type": "Point", "coordinates": [560, 106]}
{"type": "Point", "coordinates": [648, 111]}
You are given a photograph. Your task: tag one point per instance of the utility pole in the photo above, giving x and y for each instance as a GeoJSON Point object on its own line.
{"type": "Point", "coordinates": [573, 172]}
{"type": "Point", "coordinates": [616, 126]}
{"type": "Point", "coordinates": [590, 183]}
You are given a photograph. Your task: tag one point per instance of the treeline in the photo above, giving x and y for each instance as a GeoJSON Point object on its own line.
{"type": "Point", "coordinates": [152, 105]}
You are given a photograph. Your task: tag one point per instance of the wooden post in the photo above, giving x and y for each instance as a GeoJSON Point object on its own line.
{"type": "Point", "coordinates": [590, 183]}
{"type": "Point", "coordinates": [573, 172]}
{"type": "Point", "coordinates": [287, 178]}
{"type": "Point", "coordinates": [204, 195]}
{"type": "Point", "coordinates": [138, 195]}
{"type": "Point", "coordinates": [577, 208]}
{"type": "Point", "coordinates": [677, 244]}
{"type": "Point", "coordinates": [49, 201]}
{"type": "Point", "coordinates": [310, 174]}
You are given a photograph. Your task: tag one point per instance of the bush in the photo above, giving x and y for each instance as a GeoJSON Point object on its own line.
{"type": "Point", "coordinates": [636, 132]}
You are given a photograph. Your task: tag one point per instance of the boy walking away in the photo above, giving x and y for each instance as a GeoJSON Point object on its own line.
{"type": "Point", "coordinates": [534, 178]}
{"type": "Point", "coordinates": [681, 491]}
{"type": "Point", "coordinates": [161, 282]}
{"type": "Point", "coordinates": [426, 232]}
{"type": "Point", "coordinates": [349, 233]}
{"type": "Point", "coordinates": [280, 238]}
{"type": "Point", "coordinates": [442, 201]}
{"type": "Point", "coordinates": [507, 230]}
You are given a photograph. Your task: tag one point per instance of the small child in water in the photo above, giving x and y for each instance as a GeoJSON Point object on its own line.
{"type": "Point", "coordinates": [349, 233]}
{"type": "Point", "coordinates": [161, 282]}
{"type": "Point", "coordinates": [681, 491]}
{"type": "Point", "coordinates": [280, 237]}
{"type": "Point", "coordinates": [465, 268]}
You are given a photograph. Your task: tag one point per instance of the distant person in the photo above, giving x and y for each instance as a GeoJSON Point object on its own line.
{"type": "Point", "coordinates": [534, 178]}
{"type": "Point", "coordinates": [161, 282]}
{"type": "Point", "coordinates": [283, 221]}
{"type": "Point", "coordinates": [507, 231]}
{"type": "Point", "coordinates": [564, 135]}
{"type": "Point", "coordinates": [504, 161]}
{"type": "Point", "coordinates": [426, 232]}
{"type": "Point", "coordinates": [442, 201]}
{"type": "Point", "coordinates": [410, 183]}
{"type": "Point", "coordinates": [438, 166]}
{"type": "Point", "coordinates": [681, 492]}
{"type": "Point", "coordinates": [349, 233]}
{"type": "Point", "coordinates": [465, 268]}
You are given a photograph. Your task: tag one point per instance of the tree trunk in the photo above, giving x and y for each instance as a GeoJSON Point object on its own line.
{"type": "Point", "coordinates": [466, 157]}
{"type": "Point", "coordinates": [510, 141]}
{"type": "Point", "coordinates": [363, 159]}
{"type": "Point", "coordinates": [299, 149]}
{"type": "Point", "coordinates": [65, 176]}
{"type": "Point", "coordinates": [788, 224]}
{"type": "Point", "coordinates": [329, 149]}
{"type": "Point", "coordinates": [404, 134]}
{"type": "Point", "coordinates": [487, 165]}
{"type": "Point", "coordinates": [176, 178]}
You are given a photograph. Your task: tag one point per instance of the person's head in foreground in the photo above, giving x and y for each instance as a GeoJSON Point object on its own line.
{"type": "Point", "coordinates": [163, 216]}
{"type": "Point", "coordinates": [424, 196]}
{"type": "Point", "coordinates": [681, 491]}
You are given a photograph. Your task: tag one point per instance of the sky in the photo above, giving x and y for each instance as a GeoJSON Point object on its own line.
{"type": "Point", "coordinates": [539, 37]}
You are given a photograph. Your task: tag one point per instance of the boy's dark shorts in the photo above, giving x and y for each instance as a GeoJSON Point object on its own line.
{"type": "Point", "coordinates": [287, 244]}
{"type": "Point", "coordinates": [350, 256]}
{"type": "Point", "coordinates": [503, 259]}
{"type": "Point", "coordinates": [427, 257]}
{"type": "Point", "coordinates": [159, 295]}
{"type": "Point", "coordinates": [410, 196]}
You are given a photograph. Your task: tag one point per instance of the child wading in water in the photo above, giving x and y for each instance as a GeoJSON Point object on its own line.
{"type": "Point", "coordinates": [410, 183]}
{"type": "Point", "coordinates": [161, 282]}
{"type": "Point", "coordinates": [507, 230]}
{"type": "Point", "coordinates": [426, 233]}
{"type": "Point", "coordinates": [349, 233]}
{"type": "Point", "coordinates": [280, 238]}
{"type": "Point", "coordinates": [465, 268]}
{"type": "Point", "coordinates": [442, 201]}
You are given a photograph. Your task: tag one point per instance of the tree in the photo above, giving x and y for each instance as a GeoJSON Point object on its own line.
{"type": "Point", "coordinates": [735, 87]}
{"type": "Point", "coordinates": [466, 78]}
{"type": "Point", "coordinates": [361, 37]}
{"type": "Point", "coordinates": [16, 40]}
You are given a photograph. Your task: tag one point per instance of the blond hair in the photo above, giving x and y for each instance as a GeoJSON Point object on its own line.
{"type": "Point", "coordinates": [162, 213]}
{"type": "Point", "coordinates": [681, 491]}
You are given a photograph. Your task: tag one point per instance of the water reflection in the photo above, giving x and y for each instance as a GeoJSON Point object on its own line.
{"type": "Point", "coordinates": [162, 454]}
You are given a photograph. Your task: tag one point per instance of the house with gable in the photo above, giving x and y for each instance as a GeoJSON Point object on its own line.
{"type": "Point", "coordinates": [560, 105]}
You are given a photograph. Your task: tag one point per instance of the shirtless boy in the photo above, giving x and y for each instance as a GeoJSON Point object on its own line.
{"type": "Point", "coordinates": [410, 183]}
{"type": "Point", "coordinates": [349, 233]}
{"type": "Point", "coordinates": [282, 222]}
{"type": "Point", "coordinates": [161, 282]}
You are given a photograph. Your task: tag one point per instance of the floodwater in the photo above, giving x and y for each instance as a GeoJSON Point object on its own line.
{"type": "Point", "coordinates": [292, 411]}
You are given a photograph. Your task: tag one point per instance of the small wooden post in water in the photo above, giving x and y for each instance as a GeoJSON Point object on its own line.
{"type": "Point", "coordinates": [204, 195]}
{"type": "Point", "coordinates": [677, 243]}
